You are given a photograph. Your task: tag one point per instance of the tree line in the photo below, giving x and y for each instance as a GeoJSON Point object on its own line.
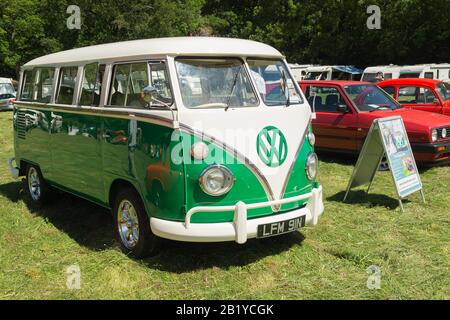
{"type": "Point", "coordinates": [306, 31]}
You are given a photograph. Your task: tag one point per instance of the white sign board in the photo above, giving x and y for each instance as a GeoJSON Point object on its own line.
{"type": "Point", "coordinates": [388, 137]}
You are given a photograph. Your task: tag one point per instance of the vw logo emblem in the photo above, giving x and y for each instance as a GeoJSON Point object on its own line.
{"type": "Point", "coordinates": [272, 146]}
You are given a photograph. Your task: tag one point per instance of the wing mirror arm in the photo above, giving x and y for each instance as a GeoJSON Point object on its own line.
{"type": "Point", "coordinates": [151, 94]}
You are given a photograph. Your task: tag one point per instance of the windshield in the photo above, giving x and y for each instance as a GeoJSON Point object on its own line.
{"type": "Point", "coordinates": [7, 91]}
{"type": "Point", "coordinates": [214, 83]}
{"type": "Point", "coordinates": [369, 77]}
{"type": "Point", "coordinates": [272, 79]}
{"type": "Point", "coordinates": [444, 90]}
{"type": "Point", "coordinates": [316, 76]}
{"type": "Point", "coordinates": [369, 97]}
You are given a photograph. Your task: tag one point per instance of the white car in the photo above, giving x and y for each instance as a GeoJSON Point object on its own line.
{"type": "Point", "coordinates": [7, 94]}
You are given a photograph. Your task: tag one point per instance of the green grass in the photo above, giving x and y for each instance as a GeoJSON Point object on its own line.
{"type": "Point", "coordinates": [328, 261]}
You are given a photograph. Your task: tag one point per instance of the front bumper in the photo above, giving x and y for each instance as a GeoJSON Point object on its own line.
{"type": "Point", "coordinates": [4, 106]}
{"type": "Point", "coordinates": [433, 153]}
{"type": "Point", "coordinates": [241, 228]}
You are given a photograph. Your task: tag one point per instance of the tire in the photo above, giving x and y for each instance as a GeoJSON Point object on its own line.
{"type": "Point", "coordinates": [132, 225]}
{"type": "Point", "coordinates": [38, 190]}
{"type": "Point", "coordinates": [384, 165]}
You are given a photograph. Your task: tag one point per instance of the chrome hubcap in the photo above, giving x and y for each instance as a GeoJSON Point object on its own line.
{"type": "Point", "coordinates": [128, 224]}
{"type": "Point", "coordinates": [34, 184]}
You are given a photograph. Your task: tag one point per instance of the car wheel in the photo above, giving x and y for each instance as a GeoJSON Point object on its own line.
{"type": "Point", "coordinates": [132, 225]}
{"type": "Point", "coordinates": [384, 165]}
{"type": "Point", "coordinates": [38, 190]}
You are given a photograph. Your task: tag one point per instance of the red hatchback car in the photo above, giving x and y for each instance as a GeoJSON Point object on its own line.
{"type": "Point", "coordinates": [346, 109]}
{"type": "Point", "coordinates": [420, 94]}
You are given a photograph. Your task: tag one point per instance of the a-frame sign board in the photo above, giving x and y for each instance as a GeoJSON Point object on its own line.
{"type": "Point", "coordinates": [388, 137]}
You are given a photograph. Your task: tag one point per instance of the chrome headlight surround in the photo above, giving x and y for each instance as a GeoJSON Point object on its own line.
{"type": "Point", "coordinates": [224, 180]}
{"type": "Point", "coordinates": [444, 133]}
{"type": "Point", "coordinates": [312, 138]}
{"type": "Point", "coordinates": [312, 166]}
{"type": "Point", "coordinates": [434, 135]}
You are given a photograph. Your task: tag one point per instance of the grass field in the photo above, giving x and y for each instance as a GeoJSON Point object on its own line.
{"type": "Point", "coordinates": [329, 261]}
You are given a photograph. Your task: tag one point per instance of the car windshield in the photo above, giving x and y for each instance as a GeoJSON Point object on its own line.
{"type": "Point", "coordinates": [369, 97]}
{"type": "Point", "coordinates": [214, 83]}
{"type": "Point", "coordinates": [7, 91]}
{"type": "Point", "coordinates": [444, 90]}
{"type": "Point", "coordinates": [316, 76]}
{"type": "Point", "coordinates": [273, 82]}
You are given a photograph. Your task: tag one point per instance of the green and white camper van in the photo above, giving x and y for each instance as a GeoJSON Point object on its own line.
{"type": "Point", "coordinates": [190, 139]}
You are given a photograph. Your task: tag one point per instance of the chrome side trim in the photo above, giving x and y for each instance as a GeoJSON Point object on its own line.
{"type": "Point", "coordinates": [122, 113]}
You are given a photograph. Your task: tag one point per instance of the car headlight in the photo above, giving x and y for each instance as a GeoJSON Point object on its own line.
{"type": "Point", "coordinates": [312, 138]}
{"type": "Point", "coordinates": [216, 180]}
{"type": "Point", "coordinates": [444, 133]}
{"type": "Point", "coordinates": [312, 166]}
{"type": "Point", "coordinates": [434, 135]}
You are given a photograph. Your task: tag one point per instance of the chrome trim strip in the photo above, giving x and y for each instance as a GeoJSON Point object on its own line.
{"type": "Point", "coordinates": [130, 114]}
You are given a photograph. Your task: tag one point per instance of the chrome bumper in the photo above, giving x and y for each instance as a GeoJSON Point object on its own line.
{"type": "Point", "coordinates": [241, 228]}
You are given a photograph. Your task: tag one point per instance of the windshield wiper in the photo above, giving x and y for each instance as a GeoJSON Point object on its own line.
{"type": "Point", "coordinates": [233, 87]}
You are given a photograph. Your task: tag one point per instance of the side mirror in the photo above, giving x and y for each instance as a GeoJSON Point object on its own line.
{"type": "Point", "coordinates": [342, 108]}
{"type": "Point", "coordinates": [150, 94]}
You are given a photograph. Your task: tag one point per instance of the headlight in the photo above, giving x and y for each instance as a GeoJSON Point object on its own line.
{"type": "Point", "coordinates": [434, 135]}
{"type": "Point", "coordinates": [199, 150]}
{"type": "Point", "coordinates": [312, 139]}
{"type": "Point", "coordinates": [444, 133]}
{"type": "Point", "coordinates": [312, 166]}
{"type": "Point", "coordinates": [216, 180]}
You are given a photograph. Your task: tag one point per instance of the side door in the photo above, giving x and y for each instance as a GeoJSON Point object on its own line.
{"type": "Point", "coordinates": [336, 123]}
{"type": "Point", "coordinates": [419, 98]}
{"type": "Point", "coordinates": [75, 139]}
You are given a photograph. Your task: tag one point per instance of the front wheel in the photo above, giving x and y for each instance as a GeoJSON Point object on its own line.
{"type": "Point", "coordinates": [37, 188]}
{"type": "Point", "coordinates": [132, 225]}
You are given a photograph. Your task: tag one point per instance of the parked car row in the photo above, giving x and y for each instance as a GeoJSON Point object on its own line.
{"type": "Point", "coordinates": [424, 71]}
{"type": "Point", "coordinates": [345, 111]}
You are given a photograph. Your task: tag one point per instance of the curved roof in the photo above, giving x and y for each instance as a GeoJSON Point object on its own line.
{"type": "Point", "coordinates": [410, 81]}
{"type": "Point", "coordinates": [192, 46]}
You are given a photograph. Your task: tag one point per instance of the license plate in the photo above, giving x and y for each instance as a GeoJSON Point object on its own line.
{"type": "Point", "coordinates": [281, 227]}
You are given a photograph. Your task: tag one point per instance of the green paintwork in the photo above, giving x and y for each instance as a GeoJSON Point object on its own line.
{"type": "Point", "coordinates": [85, 154]}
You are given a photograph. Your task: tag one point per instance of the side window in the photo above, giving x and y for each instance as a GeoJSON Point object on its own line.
{"type": "Point", "coordinates": [129, 80]}
{"type": "Point", "coordinates": [387, 76]}
{"type": "Point", "coordinates": [429, 75]}
{"type": "Point", "coordinates": [407, 95]}
{"type": "Point", "coordinates": [66, 85]}
{"type": "Point", "coordinates": [160, 80]}
{"type": "Point", "coordinates": [91, 86]}
{"type": "Point", "coordinates": [427, 96]}
{"type": "Point", "coordinates": [43, 88]}
{"type": "Point", "coordinates": [127, 84]}
{"type": "Point", "coordinates": [325, 99]}
{"type": "Point", "coordinates": [390, 91]}
{"type": "Point", "coordinates": [416, 95]}
{"type": "Point", "coordinates": [27, 86]}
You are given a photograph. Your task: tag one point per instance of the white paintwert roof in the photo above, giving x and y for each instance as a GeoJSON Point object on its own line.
{"type": "Point", "coordinates": [180, 46]}
{"type": "Point", "coordinates": [5, 80]}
